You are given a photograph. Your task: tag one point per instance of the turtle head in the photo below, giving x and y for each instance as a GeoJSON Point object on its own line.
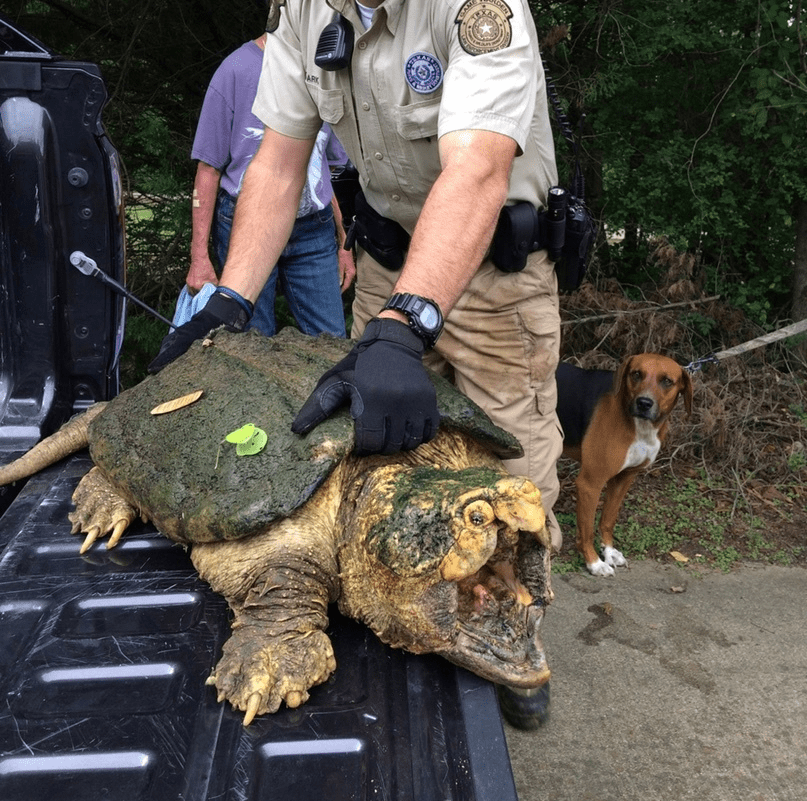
{"type": "Point", "coordinates": [454, 562]}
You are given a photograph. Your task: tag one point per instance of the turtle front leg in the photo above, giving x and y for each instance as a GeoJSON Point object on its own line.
{"type": "Point", "coordinates": [279, 587]}
{"type": "Point", "coordinates": [100, 510]}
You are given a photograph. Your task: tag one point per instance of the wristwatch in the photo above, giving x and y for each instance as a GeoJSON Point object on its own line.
{"type": "Point", "coordinates": [424, 315]}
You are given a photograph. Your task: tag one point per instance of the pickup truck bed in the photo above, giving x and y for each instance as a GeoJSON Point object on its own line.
{"type": "Point", "coordinates": [103, 659]}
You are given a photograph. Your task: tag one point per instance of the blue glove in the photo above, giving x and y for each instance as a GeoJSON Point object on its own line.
{"type": "Point", "coordinates": [392, 400]}
{"type": "Point", "coordinates": [225, 307]}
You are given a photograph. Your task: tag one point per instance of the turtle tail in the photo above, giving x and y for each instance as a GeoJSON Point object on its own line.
{"type": "Point", "coordinates": [71, 437]}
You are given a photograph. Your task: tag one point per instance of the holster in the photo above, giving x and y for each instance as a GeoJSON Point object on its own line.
{"type": "Point", "coordinates": [345, 185]}
{"type": "Point", "coordinates": [384, 239]}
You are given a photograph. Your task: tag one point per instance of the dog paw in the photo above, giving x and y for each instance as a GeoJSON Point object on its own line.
{"type": "Point", "coordinates": [613, 557]}
{"type": "Point", "coordinates": [600, 568]}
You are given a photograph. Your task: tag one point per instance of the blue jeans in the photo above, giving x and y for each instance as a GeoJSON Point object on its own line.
{"type": "Point", "coordinates": [308, 271]}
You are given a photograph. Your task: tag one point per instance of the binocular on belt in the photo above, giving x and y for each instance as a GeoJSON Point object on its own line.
{"type": "Point", "coordinates": [565, 229]}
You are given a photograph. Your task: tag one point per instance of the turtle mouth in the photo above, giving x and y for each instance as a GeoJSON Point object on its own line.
{"type": "Point", "coordinates": [498, 627]}
{"type": "Point", "coordinates": [499, 564]}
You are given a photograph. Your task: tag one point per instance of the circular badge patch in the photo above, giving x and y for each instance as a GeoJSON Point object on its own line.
{"type": "Point", "coordinates": [484, 26]}
{"type": "Point", "coordinates": [424, 73]}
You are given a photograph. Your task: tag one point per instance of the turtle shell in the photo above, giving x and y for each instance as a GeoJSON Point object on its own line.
{"type": "Point", "coordinates": [181, 471]}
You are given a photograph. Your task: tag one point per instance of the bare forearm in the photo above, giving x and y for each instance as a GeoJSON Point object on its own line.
{"type": "Point", "coordinates": [458, 219]}
{"type": "Point", "coordinates": [205, 189]}
{"type": "Point", "coordinates": [265, 212]}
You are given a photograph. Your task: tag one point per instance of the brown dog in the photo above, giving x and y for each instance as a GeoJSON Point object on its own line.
{"type": "Point", "coordinates": [614, 424]}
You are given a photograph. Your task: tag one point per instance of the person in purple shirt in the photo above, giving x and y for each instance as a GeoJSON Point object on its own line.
{"type": "Point", "coordinates": [313, 269]}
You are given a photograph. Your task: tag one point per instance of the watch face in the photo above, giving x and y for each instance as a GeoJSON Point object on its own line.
{"type": "Point", "coordinates": [429, 317]}
{"type": "Point", "coordinates": [424, 315]}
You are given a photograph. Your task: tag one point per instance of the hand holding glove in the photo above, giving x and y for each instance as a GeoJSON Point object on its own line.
{"type": "Point", "coordinates": [225, 307]}
{"type": "Point", "coordinates": [392, 400]}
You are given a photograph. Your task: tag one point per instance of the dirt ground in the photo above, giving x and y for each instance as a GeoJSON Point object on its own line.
{"type": "Point", "coordinates": [730, 483]}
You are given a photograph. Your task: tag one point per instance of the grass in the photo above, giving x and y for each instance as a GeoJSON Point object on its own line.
{"type": "Point", "coordinates": [704, 524]}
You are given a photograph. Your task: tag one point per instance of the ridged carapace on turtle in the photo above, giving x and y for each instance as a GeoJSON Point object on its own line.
{"type": "Point", "coordinates": [437, 550]}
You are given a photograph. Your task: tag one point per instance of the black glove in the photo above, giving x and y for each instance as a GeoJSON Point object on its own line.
{"type": "Point", "coordinates": [391, 397]}
{"type": "Point", "coordinates": [225, 307]}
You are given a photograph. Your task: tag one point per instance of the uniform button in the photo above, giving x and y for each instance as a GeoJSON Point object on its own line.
{"type": "Point", "coordinates": [362, 45]}
{"type": "Point", "coordinates": [396, 197]}
{"type": "Point", "coordinates": [365, 106]}
{"type": "Point", "coordinates": [379, 156]}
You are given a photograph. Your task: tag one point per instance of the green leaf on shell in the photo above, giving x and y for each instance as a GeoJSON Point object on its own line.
{"type": "Point", "coordinates": [255, 444]}
{"type": "Point", "coordinates": [241, 435]}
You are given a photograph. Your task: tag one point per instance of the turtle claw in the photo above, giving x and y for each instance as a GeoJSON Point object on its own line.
{"type": "Point", "coordinates": [258, 671]}
{"type": "Point", "coordinates": [117, 533]}
{"type": "Point", "coordinates": [294, 699]}
{"type": "Point", "coordinates": [91, 537]}
{"type": "Point", "coordinates": [100, 510]}
{"type": "Point", "coordinates": [253, 705]}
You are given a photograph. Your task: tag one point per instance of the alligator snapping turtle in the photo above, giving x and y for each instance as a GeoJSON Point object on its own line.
{"type": "Point", "coordinates": [438, 549]}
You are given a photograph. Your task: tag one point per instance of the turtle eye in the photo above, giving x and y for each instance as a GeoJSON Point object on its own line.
{"type": "Point", "coordinates": [479, 514]}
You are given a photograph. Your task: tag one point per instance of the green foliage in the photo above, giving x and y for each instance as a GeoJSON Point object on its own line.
{"type": "Point", "coordinates": [696, 128]}
{"type": "Point", "coordinates": [683, 517]}
{"type": "Point", "coordinates": [143, 337]}
{"type": "Point", "coordinates": [796, 462]}
{"type": "Point", "coordinates": [696, 124]}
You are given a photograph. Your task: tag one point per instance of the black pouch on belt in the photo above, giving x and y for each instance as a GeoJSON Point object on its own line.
{"type": "Point", "coordinates": [566, 229]}
{"type": "Point", "coordinates": [384, 239]}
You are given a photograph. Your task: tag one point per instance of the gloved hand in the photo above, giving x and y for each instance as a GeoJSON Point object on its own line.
{"type": "Point", "coordinates": [225, 307]}
{"type": "Point", "coordinates": [392, 400]}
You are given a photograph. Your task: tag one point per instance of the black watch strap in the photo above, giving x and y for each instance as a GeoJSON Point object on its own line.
{"type": "Point", "coordinates": [424, 315]}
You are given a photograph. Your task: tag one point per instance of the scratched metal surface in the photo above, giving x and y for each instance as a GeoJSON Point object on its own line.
{"type": "Point", "coordinates": [102, 666]}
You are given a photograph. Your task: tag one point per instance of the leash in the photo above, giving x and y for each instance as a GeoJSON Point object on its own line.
{"type": "Point", "coordinates": [765, 339]}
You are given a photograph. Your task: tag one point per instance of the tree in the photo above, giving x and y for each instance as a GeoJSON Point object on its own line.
{"type": "Point", "coordinates": [695, 130]}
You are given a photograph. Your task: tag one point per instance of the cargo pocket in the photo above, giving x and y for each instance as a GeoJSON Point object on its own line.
{"type": "Point", "coordinates": [540, 332]}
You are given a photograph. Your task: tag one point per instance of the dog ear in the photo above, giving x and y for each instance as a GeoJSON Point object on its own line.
{"type": "Point", "coordinates": [621, 376]}
{"type": "Point", "coordinates": [687, 391]}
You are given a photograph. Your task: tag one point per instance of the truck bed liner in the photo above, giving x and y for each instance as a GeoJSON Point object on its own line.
{"type": "Point", "coordinates": [103, 659]}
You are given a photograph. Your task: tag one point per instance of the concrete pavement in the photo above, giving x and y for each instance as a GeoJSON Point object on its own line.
{"type": "Point", "coordinates": [669, 685]}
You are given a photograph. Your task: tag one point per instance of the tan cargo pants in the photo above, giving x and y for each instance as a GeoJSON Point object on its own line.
{"type": "Point", "coordinates": [500, 346]}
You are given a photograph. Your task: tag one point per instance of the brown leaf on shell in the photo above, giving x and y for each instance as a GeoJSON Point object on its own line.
{"type": "Point", "coordinates": [177, 403]}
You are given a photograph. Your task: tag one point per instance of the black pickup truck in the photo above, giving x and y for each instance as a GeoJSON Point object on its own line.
{"type": "Point", "coordinates": [103, 657]}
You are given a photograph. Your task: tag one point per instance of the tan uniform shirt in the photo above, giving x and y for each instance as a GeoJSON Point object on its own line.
{"type": "Point", "coordinates": [424, 68]}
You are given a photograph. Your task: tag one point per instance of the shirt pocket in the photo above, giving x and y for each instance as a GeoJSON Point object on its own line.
{"type": "Point", "coordinates": [335, 109]}
{"type": "Point", "coordinates": [416, 157]}
{"type": "Point", "coordinates": [331, 104]}
{"type": "Point", "coordinates": [417, 120]}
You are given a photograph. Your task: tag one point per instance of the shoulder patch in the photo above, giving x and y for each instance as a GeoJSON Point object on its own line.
{"type": "Point", "coordinates": [484, 26]}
